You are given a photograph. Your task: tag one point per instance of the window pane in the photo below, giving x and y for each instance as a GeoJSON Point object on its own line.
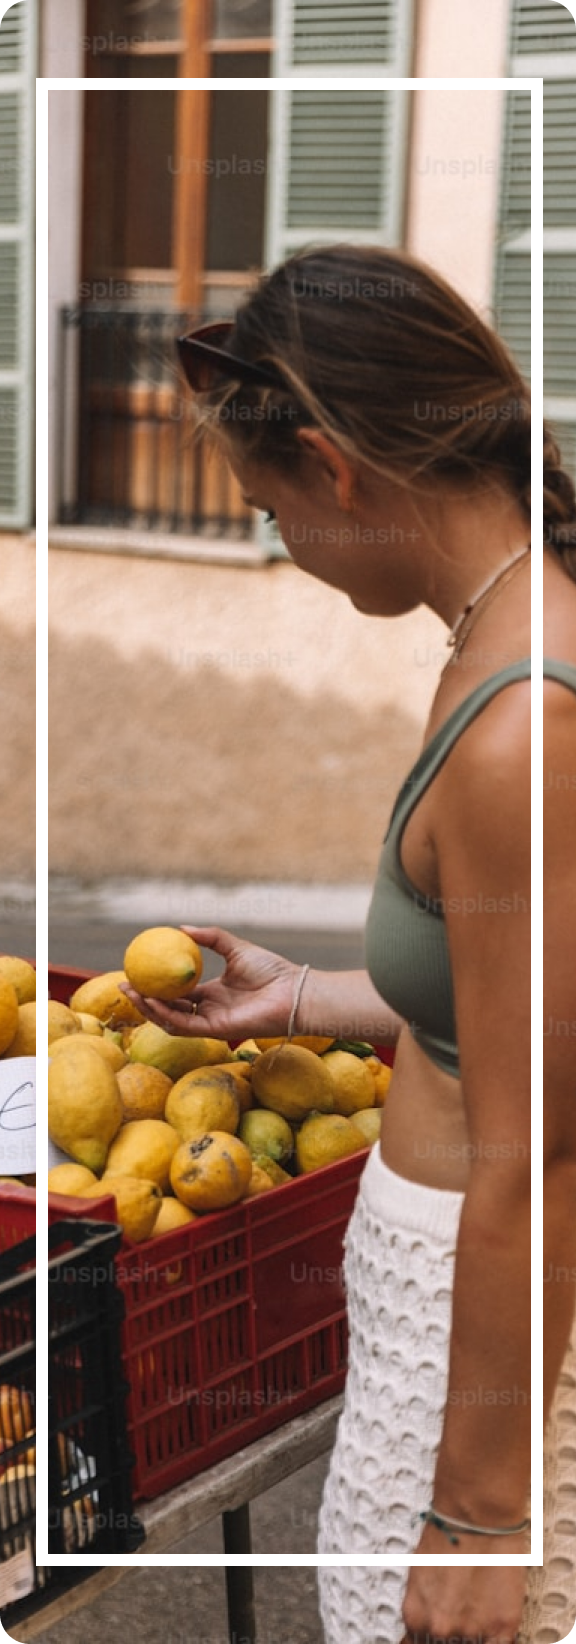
{"type": "Point", "coordinates": [234, 19]}
{"type": "Point", "coordinates": [240, 65]}
{"type": "Point", "coordinates": [237, 167]}
{"type": "Point", "coordinates": [121, 23]}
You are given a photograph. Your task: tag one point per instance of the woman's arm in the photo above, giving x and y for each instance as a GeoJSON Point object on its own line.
{"type": "Point", "coordinates": [483, 849]}
{"type": "Point", "coordinates": [559, 1028]}
{"type": "Point", "coordinates": [255, 994]}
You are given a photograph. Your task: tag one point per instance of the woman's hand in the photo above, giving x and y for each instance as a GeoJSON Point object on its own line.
{"type": "Point", "coordinates": [473, 1603]}
{"type": "Point", "coordinates": [254, 993]}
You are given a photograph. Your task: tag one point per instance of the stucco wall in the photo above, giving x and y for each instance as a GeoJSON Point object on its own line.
{"type": "Point", "coordinates": [217, 722]}
{"type": "Point", "coordinates": [17, 706]}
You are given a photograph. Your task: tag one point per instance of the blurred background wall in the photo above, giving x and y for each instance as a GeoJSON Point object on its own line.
{"type": "Point", "coordinates": [214, 713]}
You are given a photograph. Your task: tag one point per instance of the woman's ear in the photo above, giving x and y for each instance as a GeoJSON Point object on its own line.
{"type": "Point", "coordinates": [335, 465]}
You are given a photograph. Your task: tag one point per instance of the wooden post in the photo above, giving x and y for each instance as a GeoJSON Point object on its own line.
{"type": "Point", "coordinates": [190, 182]}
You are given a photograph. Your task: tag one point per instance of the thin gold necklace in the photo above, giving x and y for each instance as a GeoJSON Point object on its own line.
{"type": "Point", "coordinates": [463, 625]}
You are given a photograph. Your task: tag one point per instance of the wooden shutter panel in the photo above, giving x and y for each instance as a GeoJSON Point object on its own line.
{"type": "Point", "coordinates": [560, 153]}
{"type": "Point", "coordinates": [542, 43]}
{"type": "Point", "coordinates": [336, 165]}
{"type": "Point", "coordinates": [17, 77]}
{"type": "Point", "coordinates": [336, 168]}
{"type": "Point", "coordinates": [539, 26]}
{"type": "Point", "coordinates": [512, 272]}
{"type": "Point", "coordinates": [343, 36]}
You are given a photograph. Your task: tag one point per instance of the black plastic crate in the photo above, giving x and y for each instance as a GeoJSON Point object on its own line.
{"type": "Point", "coordinates": [89, 1461]}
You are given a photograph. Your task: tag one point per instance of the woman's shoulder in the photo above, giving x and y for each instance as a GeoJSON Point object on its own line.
{"type": "Point", "coordinates": [489, 761]}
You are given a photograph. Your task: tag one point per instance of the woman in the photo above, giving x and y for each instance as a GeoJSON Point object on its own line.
{"type": "Point", "coordinates": [355, 391]}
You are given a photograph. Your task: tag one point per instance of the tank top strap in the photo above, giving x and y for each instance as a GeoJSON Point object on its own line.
{"type": "Point", "coordinates": [564, 673]}
{"type": "Point", "coordinates": [440, 745]}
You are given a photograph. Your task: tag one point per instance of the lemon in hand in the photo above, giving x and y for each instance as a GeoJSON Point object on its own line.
{"type": "Point", "coordinates": [163, 963]}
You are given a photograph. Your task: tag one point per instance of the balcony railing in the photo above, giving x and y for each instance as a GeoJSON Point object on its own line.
{"type": "Point", "coordinates": [128, 454]}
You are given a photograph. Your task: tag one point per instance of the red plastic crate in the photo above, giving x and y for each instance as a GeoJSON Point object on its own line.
{"type": "Point", "coordinates": [235, 1323]}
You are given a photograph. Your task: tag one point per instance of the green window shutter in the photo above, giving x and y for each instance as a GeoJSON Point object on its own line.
{"type": "Point", "coordinates": [542, 43]}
{"type": "Point", "coordinates": [336, 168]}
{"type": "Point", "coordinates": [343, 37]}
{"type": "Point", "coordinates": [17, 81]}
{"type": "Point", "coordinates": [336, 162]}
{"type": "Point", "coordinates": [537, 28]}
{"type": "Point", "coordinates": [512, 274]}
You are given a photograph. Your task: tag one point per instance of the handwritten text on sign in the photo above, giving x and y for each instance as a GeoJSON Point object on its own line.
{"type": "Point", "coordinates": [17, 1115]}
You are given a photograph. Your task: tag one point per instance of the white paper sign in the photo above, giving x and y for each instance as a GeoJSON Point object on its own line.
{"type": "Point", "coordinates": [16, 1576]}
{"type": "Point", "coordinates": [56, 1156]}
{"type": "Point", "coordinates": [17, 1115]}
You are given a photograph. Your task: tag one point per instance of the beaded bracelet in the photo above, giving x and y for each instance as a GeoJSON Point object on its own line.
{"type": "Point", "coordinates": [446, 1524]}
{"type": "Point", "coordinates": [297, 998]}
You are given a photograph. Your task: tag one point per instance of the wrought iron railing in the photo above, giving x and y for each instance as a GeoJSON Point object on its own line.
{"type": "Point", "coordinates": [127, 451]}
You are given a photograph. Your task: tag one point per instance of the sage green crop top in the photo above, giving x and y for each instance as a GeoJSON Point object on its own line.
{"type": "Point", "coordinates": [406, 947]}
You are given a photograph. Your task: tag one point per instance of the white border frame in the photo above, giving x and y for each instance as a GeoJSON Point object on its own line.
{"type": "Point", "coordinates": [535, 86]}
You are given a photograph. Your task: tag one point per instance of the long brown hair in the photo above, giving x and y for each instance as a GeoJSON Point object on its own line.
{"type": "Point", "coordinates": [377, 349]}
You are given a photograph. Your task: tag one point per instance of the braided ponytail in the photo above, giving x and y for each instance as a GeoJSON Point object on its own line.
{"type": "Point", "coordinates": [559, 505]}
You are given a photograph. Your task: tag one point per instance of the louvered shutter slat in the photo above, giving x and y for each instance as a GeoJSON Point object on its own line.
{"type": "Point", "coordinates": [541, 26]}
{"type": "Point", "coordinates": [340, 34]}
{"type": "Point", "coordinates": [559, 153]}
{"type": "Point", "coordinates": [512, 268]}
{"type": "Point", "coordinates": [326, 30]}
{"type": "Point", "coordinates": [542, 41]}
{"type": "Point", "coordinates": [17, 76]}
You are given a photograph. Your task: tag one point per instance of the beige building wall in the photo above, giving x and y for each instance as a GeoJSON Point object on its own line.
{"type": "Point", "coordinates": [219, 722]}
{"type": "Point", "coordinates": [17, 704]}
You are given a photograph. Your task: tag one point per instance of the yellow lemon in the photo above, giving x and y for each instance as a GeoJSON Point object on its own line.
{"type": "Point", "coordinates": [260, 1182]}
{"type": "Point", "coordinates": [369, 1121]}
{"type": "Point", "coordinates": [292, 1081]}
{"type": "Point", "coordinates": [325, 1137]}
{"type": "Point", "coordinates": [205, 1099]}
{"type": "Point", "coordinates": [89, 1023]}
{"type": "Point", "coordinates": [247, 1050]}
{"type": "Point", "coordinates": [353, 1082]}
{"type": "Point", "coordinates": [143, 1090]}
{"type": "Point", "coordinates": [84, 1106]}
{"type": "Point", "coordinates": [308, 1041]}
{"type": "Point", "coordinates": [102, 996]}
{"type": "Point", "coordinates": [105, 1048]}
{"type": "Point", "coordinates": [163, 963]}
{"type": "Point", "coordinates": [8, 1013]}
{"type": "Point", "coordinates": [172, 1213]}
{"type": "Point", "coordinates": [143, 1147]}
{"type": "Point", "coordinates": [212, 1171]}
{"type": "Point", "coordinates": [174, 1053]}
{"type": "Point", "coordinates": [382, 1075]}
{"type": "Point", "coordinates": [272, 1169]}
{"type": "Point", "coordinates": [61, 1020]}
{"type": "Point", "coordinates": [70, 1178]}
{"type": "Point", "coordinates": [21, 974]}
{"type": "Point", "coordinates": [267, 1132]}
{"type": "Point", "coordinates": [24, 1041]}
{"type": "Point", "coordinates": [138, 1203]}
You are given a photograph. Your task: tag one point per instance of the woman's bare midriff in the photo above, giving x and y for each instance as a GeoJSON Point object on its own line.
{"type": "Point", "coordinates": [424, 1134]}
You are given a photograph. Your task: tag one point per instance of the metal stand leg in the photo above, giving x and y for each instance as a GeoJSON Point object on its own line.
{"type": "Point", "coordinates": [239, 1581]}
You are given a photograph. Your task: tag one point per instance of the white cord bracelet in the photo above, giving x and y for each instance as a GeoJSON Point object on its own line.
{"type": "Point", "coordinates": [297, 998]}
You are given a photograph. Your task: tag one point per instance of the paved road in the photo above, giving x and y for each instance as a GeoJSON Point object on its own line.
{"type": "Point", "coordinates": [187, 1606]}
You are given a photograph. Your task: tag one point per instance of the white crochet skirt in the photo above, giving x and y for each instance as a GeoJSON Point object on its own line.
{"type": "Point", "coordinates": [399, 1259]}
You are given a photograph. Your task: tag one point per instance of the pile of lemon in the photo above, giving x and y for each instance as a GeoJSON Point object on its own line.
{"type": "Point", "coordinates": [17, 1007]}
{"type": "Point", "coordinates": [175, 1127]}
{"type": "Point", "coordinates": [17, 1020]}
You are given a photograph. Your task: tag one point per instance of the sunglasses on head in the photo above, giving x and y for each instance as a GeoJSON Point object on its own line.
{"type": "Point", "coordinates": [206, 363]}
